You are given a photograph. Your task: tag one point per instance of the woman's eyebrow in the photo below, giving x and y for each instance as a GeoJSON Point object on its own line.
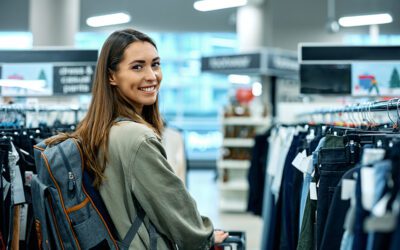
{"type": "Point", "coordinates": [143, 61]}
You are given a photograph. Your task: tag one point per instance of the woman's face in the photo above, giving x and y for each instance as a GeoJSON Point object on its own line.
{"type": "Point", "coordinates": [138, 75]}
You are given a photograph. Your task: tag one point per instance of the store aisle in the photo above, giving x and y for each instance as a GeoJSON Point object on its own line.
{"type": "Point", "coordinates": [203, 187]}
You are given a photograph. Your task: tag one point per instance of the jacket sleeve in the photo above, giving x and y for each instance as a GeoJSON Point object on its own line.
{"type": "Point", "coordinates": [165, 199]}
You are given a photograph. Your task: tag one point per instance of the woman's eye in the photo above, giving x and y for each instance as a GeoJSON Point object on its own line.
{"type": "Point", "coordinates": [156, 64]}
{"type": "Point", "coordinates": [137, 67]}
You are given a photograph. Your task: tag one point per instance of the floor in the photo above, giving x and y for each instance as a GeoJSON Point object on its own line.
{"type": "Point", "coordinates": [203, 187]}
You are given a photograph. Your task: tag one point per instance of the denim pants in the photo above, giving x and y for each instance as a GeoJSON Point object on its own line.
{"type": "Point", "coordinates": [333, 232]}
{"type": "Point", "coordinates": [332, 167]}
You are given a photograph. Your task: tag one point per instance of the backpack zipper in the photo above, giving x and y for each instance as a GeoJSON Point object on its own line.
{"type": "Point", "coordinates": [71, 176]}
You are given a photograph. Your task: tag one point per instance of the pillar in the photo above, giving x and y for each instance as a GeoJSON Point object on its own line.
{"type": "Point", "coordinates": [54, 22]}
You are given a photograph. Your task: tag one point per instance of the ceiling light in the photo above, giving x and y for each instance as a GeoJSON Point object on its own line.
{"type": "Point", "coordinates": [105, 20]}
{"type": "Point", "coordinates": [239, 79]}
{"type": "Point", "coordinates": [351, 21]}
{"type": "Point", "coordinates": [207, 5]}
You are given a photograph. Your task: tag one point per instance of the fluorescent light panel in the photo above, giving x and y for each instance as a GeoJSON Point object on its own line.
{"type": "Point", "coordinates": [208, 5]}
{"type": "Point", "coordinates": [351, 21]}
{"type": "Point", "coordinates": [105, 20]}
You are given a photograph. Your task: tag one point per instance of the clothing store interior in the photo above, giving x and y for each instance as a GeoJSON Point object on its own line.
{"type": "Point", "coordinates": [281, 117]}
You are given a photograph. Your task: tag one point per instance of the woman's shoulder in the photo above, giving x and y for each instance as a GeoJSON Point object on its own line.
{"type": "Point", "coordinates": [130, 132]}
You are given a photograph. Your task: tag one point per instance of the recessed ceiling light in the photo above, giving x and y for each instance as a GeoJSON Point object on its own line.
{"type": "Point", "coordinates": [351, 21]}
{"type": "Point", "coordinates": [207, 5]}
{"type": "Point", "coordinates": [110, 19]}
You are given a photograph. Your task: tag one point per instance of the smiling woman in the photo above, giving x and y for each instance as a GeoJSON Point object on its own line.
{"type": "Point", "coordinates": [120, 136]}
{"type": "Point", "coordinates": [139, 74]}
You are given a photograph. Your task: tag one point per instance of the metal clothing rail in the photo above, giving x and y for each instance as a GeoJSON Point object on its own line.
{"type": "Point", "coordinates": [368, 113]}
{"type": "Point", "coordinates": [22, 109]}
{"type": "Point", "coordinates": [377, 106]}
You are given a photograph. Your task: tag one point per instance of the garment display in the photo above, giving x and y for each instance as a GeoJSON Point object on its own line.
{"type": "Point", "coordinates": [17, 230]}
{"type": "Point", "coordinates": [331, 187]}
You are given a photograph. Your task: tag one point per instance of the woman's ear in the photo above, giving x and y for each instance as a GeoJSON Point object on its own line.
{"type": "Point", "coordinates": [111, 78]}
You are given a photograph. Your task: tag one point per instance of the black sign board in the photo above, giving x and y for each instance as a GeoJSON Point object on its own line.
{"type": "Point", "coordinates": [283, 62]}
{"type": "Point", "coordinates": [231, 62]}
{"type": "Point", "coordinates": [270, 62]}
{"type": "Point", "coordinates": [74, 79]}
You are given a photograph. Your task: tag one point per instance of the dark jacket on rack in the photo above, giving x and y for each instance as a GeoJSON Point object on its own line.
{"type": "Point", "coordinates": [256, 174]}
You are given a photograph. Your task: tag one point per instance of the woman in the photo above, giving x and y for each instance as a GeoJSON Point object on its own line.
{"type": "Point", "coordinates": [127, 158]}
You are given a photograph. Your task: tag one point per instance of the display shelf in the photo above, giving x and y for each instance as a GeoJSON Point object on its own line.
{"type": "Point", "coordinates": [238, 142]}
{"type": "Point", "coordinates": [233, 164]}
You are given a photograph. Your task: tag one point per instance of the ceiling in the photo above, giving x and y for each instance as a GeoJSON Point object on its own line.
{"type": "Point", "coordinates": [179, 15]}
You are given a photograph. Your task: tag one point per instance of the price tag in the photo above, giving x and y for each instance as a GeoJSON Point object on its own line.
{"type": "Point", "coordinates": [348, 189]}
{"type": "Point", "coordinates": [367, 187]}
{"type": "Point", "coordinates": [298, 160]}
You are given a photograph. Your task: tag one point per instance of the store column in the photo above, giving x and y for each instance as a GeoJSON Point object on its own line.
{"type": "Point", "coordinates": [54, 22]}
{"type": "Point", "coordinates": [254, 31]}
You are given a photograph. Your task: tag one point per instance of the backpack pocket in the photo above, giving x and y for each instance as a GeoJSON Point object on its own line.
{"type": "Point", "coordinates": [38, 202]}
{"type": "Point", "coordinates": [84, 219]}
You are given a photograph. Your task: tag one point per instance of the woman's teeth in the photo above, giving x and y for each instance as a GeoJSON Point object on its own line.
{"type": "Point", "coordinates": [148, 89]}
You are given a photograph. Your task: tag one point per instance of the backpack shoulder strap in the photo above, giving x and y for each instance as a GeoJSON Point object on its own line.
{"type": "Point", "coordinates": [136, 225]}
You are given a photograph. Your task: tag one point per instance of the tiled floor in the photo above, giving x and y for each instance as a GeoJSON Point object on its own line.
{"type": "Point", "coordinates": [203, 187]}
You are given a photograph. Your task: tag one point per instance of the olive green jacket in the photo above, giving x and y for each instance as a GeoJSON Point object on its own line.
{"type": "Point", "coordinates": [137, 165]}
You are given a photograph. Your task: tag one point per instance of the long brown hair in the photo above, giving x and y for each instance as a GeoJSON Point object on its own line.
{"type": "Point", "coordinates": [108, 103]}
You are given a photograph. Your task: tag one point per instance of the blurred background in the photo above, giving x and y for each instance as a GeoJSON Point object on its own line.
{"type": "Point", "coordinates": [229, 73]}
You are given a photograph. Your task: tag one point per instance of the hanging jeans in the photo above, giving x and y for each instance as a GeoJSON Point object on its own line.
{"type": "Point", "coordinates": [333, 163]}
{"type": "Point", "coordinates": [333, 232]}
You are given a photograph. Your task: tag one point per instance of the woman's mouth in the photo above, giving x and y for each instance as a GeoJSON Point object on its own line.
{"type": "Point", "coordinates": [148, 89]}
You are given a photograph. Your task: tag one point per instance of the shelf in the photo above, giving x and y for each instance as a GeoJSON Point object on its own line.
{"type": "Point", "coordinates": [249, 120]}
{"type": "Point", "coordinates": [238, 142]}
{"type": "Point", "coordinates": [233, 206]}
{"type": "Point", "coordinates": [238, 185]}
{"type": "Point", "coordinates": [234, 164]}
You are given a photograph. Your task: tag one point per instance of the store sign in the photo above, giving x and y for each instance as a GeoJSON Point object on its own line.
{"type": "Point", "coordinates": [46, 72]}
{"type": "Point", "coordinates": [283, 62]}
{"type": "Point", "coordinates": [74, 79]}
{"type": "Point", "coordinates": [234, 62]}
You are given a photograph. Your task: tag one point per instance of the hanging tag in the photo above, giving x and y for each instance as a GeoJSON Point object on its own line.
{"type": "Point", "coordinates": [299, 159]}
{"type": "Point", "coordinates": [23, 212]}
{"type": "Point", "coordinates": [367, 187]}
{"type": "Point", "coordinates": [348, 189]}
{"type": "Point", "coordinates": [313, 191]}
{"type": "Point", "coordinates": [17, 187]}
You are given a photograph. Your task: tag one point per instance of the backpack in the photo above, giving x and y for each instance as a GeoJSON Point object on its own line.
{"type": "Point", "coordinates": [68, 210]}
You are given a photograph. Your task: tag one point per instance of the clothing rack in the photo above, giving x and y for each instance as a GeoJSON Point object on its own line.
{"type": "Point", "coordinates": [363, 110]}
{"type": "Point", "coordinates": [24, 109]}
